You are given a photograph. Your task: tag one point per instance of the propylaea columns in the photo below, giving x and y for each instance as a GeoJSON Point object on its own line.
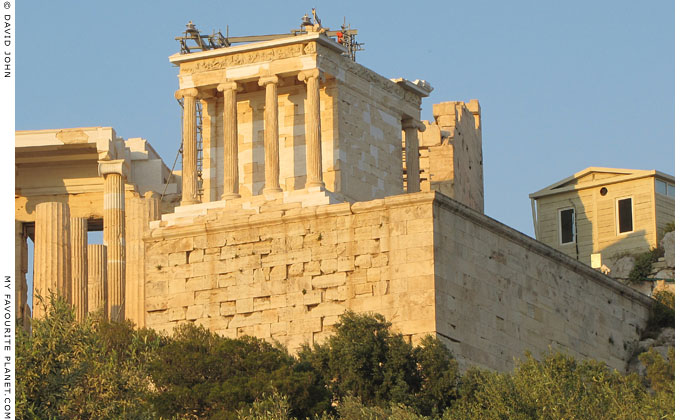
{"type": "Point", "coordinates": [114, 235]}
{"type": "Point", "coordinates": [80, 291]}
{"type": "Point", "coordinates": [231, 176]}
{"type": "Point", "coordinates": [97, 277]}
{"type": "Point", "coordinates": [189, 149]}
{"type": "Point", "coordinates": [52, 256]}
{"type": "Point", "coordinates": [272, 161]}
{"type": "Point", "coordinates": [411, 127]}
{"type": "Point", "coordinates": [313, 127]}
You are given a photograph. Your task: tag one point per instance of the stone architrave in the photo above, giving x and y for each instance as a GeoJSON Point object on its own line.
{"type": "Point", "coordinates": [52, 255]}
{"type": "Point", "coordinates": [97, 277]}
{"type": "Point", "coordinates": [189, 149]}
{"type": "Point", "coordinates": [231, 176]}
{"type": "Point", "coordinates": [80, 290]}
{"type": "Point", "coordinates": [114, 235]}
{"type": "Point", "coordinates": [313, 127]}
{"type": "Point", "coordinates": [272, 169]}
{"type": "Point", "coordinates": [411, 127]}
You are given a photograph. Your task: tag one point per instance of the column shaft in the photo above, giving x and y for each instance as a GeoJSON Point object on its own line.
{"type": "Point", "coordinates": [272, 170]}
{"type": "Point", "coordinates": [189, 150]}
{"type": "Point", "coordinates": [410, 128]}
{"type": "Point", "coordinates": [231, 174]}
{"type": "Point", "coordinates": [114, 239]}
{"type": "Point", "coordinates": [52, 259]}
{"type": "Point", "coordinates": [21, 253]}
{"type": "Point", "coordinates": [313, 128]}
{"type": "Point", "coordinates": [80, 291]}
{"type": "Point", "coordinates": [97, 278]}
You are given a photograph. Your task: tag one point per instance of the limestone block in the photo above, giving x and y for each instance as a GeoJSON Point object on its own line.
{"type": "Point", "coordinates": [245, 305]}
{"type": "Point", "coordinates": [363, 261]}
{"type": "Point", "coordinates": [228, 308]}
{"type": "Point", "coordinates": [329, 266]}
{"type": "Point", "coordinates": [312, 268]}
{"type": "Point", "coordinates": [196, 256]}
{"type": "Point", "coordinates": [329, 280]}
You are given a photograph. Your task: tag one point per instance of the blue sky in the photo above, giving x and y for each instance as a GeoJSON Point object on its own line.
{"type": "Point", "coordinates": [562, 85]}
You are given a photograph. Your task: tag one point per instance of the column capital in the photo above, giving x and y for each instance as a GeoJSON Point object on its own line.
{"type": "Point", "coordinates": [304, 75]}
{"type": "Point", "coordinates": [191, 92]}
{"type": "Point", "coordinates": [229, 85]}
{"type": "Point", "coordinates": [265, 80]}
{"type": "Point", "coordinates": [117, 166]}
{"type": "Point", "coordinates": [412, 123]}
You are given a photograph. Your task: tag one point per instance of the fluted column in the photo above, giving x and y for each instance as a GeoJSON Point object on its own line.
{"type": "Point", "coordinates": [114, 235]}
{"type": "Point", "coordinates": [139, 212]}
{"type": "Point", "coordinates": [97, 277]}
{"type": "Point", "coordinates": [313, 127]}
{"type": "Point", "coordinates": [21, 253]}
{"type": "Point", "coordinates": [80, 290]}
{"type": "Point", "coordinates": [272, 162]}
{"type": "Point", "coordinates": [52, 259]}
{"type": "Point", "coordinates": [189, 151]}
{"type": "Point", "coordinates": [231, 174]}
{"type": "Point", "coordinates": [410, 128]}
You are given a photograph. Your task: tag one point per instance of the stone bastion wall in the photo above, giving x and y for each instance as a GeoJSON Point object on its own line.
{"type": "Point", "coordinates": [427, 263]}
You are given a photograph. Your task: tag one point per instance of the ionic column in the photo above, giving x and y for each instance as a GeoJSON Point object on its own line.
{"type": "Point", "coordinates": [97, 277]}
{"type": "Point", "coordinates": [80, 288]}
{"type": "Point", "coordinates": [114, 235]}
{"type": "Point", "coordinates": [313, 128]}
{"type": "Point", "coordinates": [410, 128]}
{"type": "Point", "coordinates": [52, 257]}
{"type": "Point", "coordinates": [272, 162]}
{"type": "Point", "coordinates": [189, 151]}
{"type": "Point", "coordinates": [231, 174]}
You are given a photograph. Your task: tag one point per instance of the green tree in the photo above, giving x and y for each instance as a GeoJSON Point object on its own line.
{"type": "Point", "coordinates": [69, 370]}
{"type": "Point", "coordinates": [363, 359]}
{"type": "Point", "coordinates": [201, 374]}
{"type": "Point", "coordinates": [559, 387]}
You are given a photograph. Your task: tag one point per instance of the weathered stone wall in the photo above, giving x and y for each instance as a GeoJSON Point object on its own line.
{"type": "Point", "coordinates": [450, 149]}
{"type": "Point", "coordinates": [500, 293]}
{"type": "Point", "coordinates": [284, 272]}
{"type": "Point", "coordinates": [427, 263]}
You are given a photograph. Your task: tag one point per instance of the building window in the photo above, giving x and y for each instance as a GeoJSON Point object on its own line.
{"type": "Point", "coordinates": [664, 188]}
{"type": "Point", "coordinates": [567, 225]}
{"type": "Point", "coordinates": [624, 215]}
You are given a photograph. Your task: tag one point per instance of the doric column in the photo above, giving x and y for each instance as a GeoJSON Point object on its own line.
{"type": "Point", "coordinates": [272, 161]}
{"type": "Point", "coordinates": [21, 254]}
{"type": "Point", "coordinates": [139, 212]}
{"type": "Point", "coordinates": [97, 278]}
{"type": "Point", "coordinates": [80, 288]}
{"type": "Point", "coordinates": [52, 259]}
{"type": "Point", "coordinates": [231, 174]}
{"type": "Point", "coordinates": [114, 235]}
{"type": "Point", "coordinates": [313, 128]}
{"type": "Point", "coordinates": [410, 128]}
{"type": "Point", "coordinates": [189, 151]}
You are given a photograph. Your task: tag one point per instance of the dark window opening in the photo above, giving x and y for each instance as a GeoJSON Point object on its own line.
{"type": "Point", "coordinates": [567, 226]}
{"type": "Point", "coordinates": [625, 217]}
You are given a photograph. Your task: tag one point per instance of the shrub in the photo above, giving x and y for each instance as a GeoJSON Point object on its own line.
{"type": "Point", "coordinates": [662, 314]}
{"type": "Point", "coordinates": [643, 265]}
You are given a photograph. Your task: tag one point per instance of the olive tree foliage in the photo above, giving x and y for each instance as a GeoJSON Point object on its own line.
{"type": "Point", "coordinates": [82, 370]}
{"type": "Point", "coordinates": [365, 360]}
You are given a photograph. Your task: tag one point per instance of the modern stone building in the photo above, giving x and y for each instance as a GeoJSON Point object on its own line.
{"type": "Point", "coordinates": [320, 190]}
{"type": "Point", "coordinates": [600, 213]}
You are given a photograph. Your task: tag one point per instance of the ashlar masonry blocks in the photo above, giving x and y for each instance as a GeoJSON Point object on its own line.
{"type": "Point", "coordinates": [427, 263]}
